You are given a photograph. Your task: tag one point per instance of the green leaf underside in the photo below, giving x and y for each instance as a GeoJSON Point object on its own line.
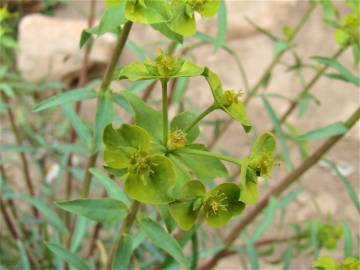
{"type": "Point", "coordinates": [249, 192]}
{"type": "Point", "coordinates": [149, 13]}
{"type": "Point", "coordinates": [67, 97]}
{"type": "Point", "coordinates": [145, 116]}
{"type": "Point", "coordinates": [138, 71]}
{"type": "Point", "coordinates": [337, 128]}
{"type": "Point", "coordinates": [157, 234]}
{"type": "Point", "coordinates": [201, 166]}
{"type": "Point", "coordinates": [237, 112]}
{"type": "Point", "coordinates": [67, 256]}
{"type": "Point", "coordinates": [103, 210]}
{"type": "Point", "coordinates": [123, 253]}
{"type": "Point", "coordinates": [183, 210]}
{"type": "Point", "coordinates": [154, 187]}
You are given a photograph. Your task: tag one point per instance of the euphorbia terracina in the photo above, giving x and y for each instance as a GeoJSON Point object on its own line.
{"type": "Point", "coordinates": [175, 171]}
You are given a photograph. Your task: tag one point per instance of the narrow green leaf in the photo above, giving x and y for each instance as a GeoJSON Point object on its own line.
{"type": "Point", "coordinates": [280, 133]}
{"type": "Point", "coordinates": [163, 240]}
{"type": "Point", "coordinates": [166, 31]}
{"type": "Point", "coordinates": [280, 46]}
{"type": "Point", "coordinates": [23, 256]}
{"type": "Point", "coordinates": [266, 221]}
{"type": "Point", "coordinates": [324, 132]}
{"type": "Point", "coordinates": [251, 252]}
{"type": "Point", "coordinates": [222, 26]}
{"type": "Point", "coordinates": [79, 126]}
{"type": "Point", "coordinates": [104, 209]}
{"type": "Point", "coordinates": [348, 186]}
{"type": "Point", "coordinates": [44, 209]}
{"type": "Point", "coordinates": [289, 197]}
{"type": "Point", "coordinates": [288, 257]}
{"type": "Point", "coordinates": [104, 116]}
{"type": "Point", "coordinates": [82, 224]}
{"type": "Point", "coordinates": [347, 240]}
{"type": "Point", "coordinates": [66, 97]}
{"type": "Point", "coordinates": [123, 254]}
{"type": "Point", "coordinates": [344, 72]}
{"type": "Point", "coordinates": [113, 190]}
{"type": "Point", "coordinates": [139, 52]}
{"type": "Point", "coordinates": [139, 86]}
{"type": "Point", "coordinates": [67, 256]}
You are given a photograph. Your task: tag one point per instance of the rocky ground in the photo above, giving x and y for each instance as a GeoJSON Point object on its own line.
{"type": "Point", "coordinates": [58, 58]}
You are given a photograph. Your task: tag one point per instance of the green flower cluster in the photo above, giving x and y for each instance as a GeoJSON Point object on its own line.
{"type": "Point", "coordinates": [175, 15]}
{"type": "Point", "coordinates": [171, 169]}
{"type": "Point", "coordinates": [328, 263]}
{"type": "Point", "coordinates": [328, 235]}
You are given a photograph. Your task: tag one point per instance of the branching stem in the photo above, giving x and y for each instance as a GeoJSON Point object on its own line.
{"type": "Point", "coordinates": [165, 110]}
{"type": "Point", "coordinates": [200, 117]}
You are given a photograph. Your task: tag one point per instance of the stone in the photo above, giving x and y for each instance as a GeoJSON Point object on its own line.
{"type": "Point", "coordinates": [49, 49]}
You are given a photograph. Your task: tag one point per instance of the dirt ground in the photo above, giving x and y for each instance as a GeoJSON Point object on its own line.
{"type": "Point", "coordinates": [338, 100]}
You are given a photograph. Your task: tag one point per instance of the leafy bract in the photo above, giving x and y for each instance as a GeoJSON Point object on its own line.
{"type": "Point", "coordinates": [227, 100]}
{"type": "Point", "coordinates": [147, 11]}
{"type": "Point", "coordinates": [183, 19]}
{"type": "Point", "coordinates": [202, 167]}
{"type": "Point", "coordinates": [145, 116]}
{"type": "Point", "coordinates": [218, 205]}
{"type": "Point", "coordinates": [149, 177]}
{"type": "Point", "coordinates": [164, 67]}
{"type": "Point", "coordinates": [155, 186]}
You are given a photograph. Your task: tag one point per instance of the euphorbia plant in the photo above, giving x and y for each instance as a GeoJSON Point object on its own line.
{"type": "Point", "coordinates": [159, 158]}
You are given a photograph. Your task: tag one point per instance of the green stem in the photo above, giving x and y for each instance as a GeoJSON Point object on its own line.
{"type": "Point", "coordinates": [194, 251]}
{"type": "Point", "coordinates": [211, 154]}
{"type": "Point", "coordinates": [127, 224]}
{"type": "Point", "coordinates": [165, 110]}
{"type": "Point", "coordinates": [200, 117]}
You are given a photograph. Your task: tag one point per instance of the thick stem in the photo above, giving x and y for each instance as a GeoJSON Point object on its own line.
{"type": "Point", "coordinates": [128, 222]}
{"type": "Point", "coordinates": [200, 117]}
{"type": "Point", "coordinates": [194, 251]}
{"type": "Point", "coordinates": [211, 154]}
{"type": "Point", "coordinates": [278, 189]}
{"type": "Point", "coordinates": [165, 110]}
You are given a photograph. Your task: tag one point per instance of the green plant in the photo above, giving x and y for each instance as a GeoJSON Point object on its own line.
{"type": "Point", "coordinates": [157, 185]}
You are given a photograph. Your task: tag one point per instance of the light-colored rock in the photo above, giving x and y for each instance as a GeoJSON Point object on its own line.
{"type": "Point", "coordinates": [49, 48]}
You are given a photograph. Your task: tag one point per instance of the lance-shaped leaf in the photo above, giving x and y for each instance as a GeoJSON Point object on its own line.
{"type": "Point", "coordinates": [163, 67]}
{"type": "Point", "coordinates": [183, 20]}
{"type": "Point", "coordinates": [261, 158]}
{"type": "Point", "coordinates": [222, 203]}
{"type": "Point", "coordinates": [104, 209]}
{"type": "Point", "coordinates": [147, 11]}
{"type": "Point", "coordinates": [155, 185]}
{"type": "Point", "coordinates": [185, 210]}
{"type": "Point", "coordinates": [227, 100]}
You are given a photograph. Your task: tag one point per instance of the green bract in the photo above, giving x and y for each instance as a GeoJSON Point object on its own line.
{"type": "Point", "coordinates": [227, 100]}
{"type": "Point", "coordinates": [147, 11]}
{"type": "Point", "coordinates": [259, 164]}
{"type": "Point", "coordinates": [183, 19]}
{"type": "Point", "coordinates": [163, 67]}
{"type": "Point", "coordinates": [328, 235]}
{"type": "Point", "coordinates": [217, 205]}
{"type": "Point", "coordinates": [150, 177]}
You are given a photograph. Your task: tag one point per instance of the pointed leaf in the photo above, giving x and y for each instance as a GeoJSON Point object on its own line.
{"type": "Point", "coordinates": [103, 210]}
{"type": "Point", "coordinates": [163, 240]}
{"type": "Point", "coordinates": [123, 254]}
